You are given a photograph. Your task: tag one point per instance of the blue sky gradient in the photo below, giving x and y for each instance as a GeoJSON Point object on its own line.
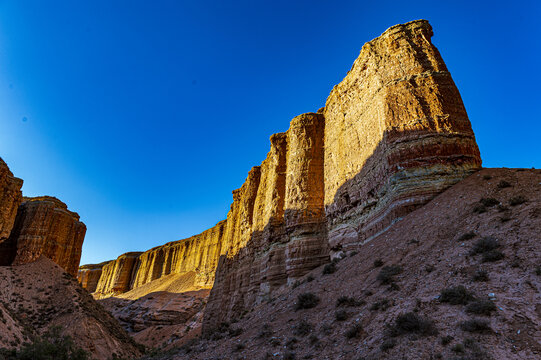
{"type": "Point", "coordinates": [144, 116]}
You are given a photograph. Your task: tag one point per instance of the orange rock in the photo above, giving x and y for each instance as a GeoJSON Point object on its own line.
{"type": "Point", "coordinates": [45, 226]}
{"type": "Point", "coordinates": [10, 199]}
{"type": "Point", "coordinates": [89, 275]}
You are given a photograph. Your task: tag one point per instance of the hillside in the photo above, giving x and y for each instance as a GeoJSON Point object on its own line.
{"type": "Point", "coordinates": [430, 250]}
{"type": "Point", "coordinates": [38, 296]}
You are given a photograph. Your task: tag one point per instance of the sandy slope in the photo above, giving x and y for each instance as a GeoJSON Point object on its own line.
{"type": "Point", "coordinates": [427, 245]}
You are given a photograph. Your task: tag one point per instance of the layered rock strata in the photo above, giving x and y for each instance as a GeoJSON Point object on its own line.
{"type": "Point", "coordinates": [89, 275]}
{"type": "Point", "coordinates": [45, 227]}
{"type": "Point", "coordinates": [392, 135]}
{"type": "Point", "coordinates": [116, 275]}
{"type": "Point", "coordinates": [10, 199]}
{"type": "Point", "coordinates": [395, 134]}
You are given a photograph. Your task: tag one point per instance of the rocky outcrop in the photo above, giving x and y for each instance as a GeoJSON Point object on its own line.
{"type": "Point", "coordinates": [116, 275]}
{"type": "Point", "coordinates": [10, 199]}
{"type": "Point", "coordinates": [393, 134]}
{"type": "Point", "coordinates": [45, 227]}
{"type": "Point", "coordinates": [396, 134]}
{"type": "Point", "coordinates": [89, 275]}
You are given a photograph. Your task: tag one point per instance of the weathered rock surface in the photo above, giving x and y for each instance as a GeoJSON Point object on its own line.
{"type": "Point", "coordinates": [37, 296]}
{"type": "Point", "coordinates": [45, 226]}
{"type": "Point", "coordinates": [393, 134]}
{"type": "Point", "coordinates": [10, 199]}
{"type": "Point", "coordinates": [89, 275]}
{"type": "Point", "coordinates": [116, 275]}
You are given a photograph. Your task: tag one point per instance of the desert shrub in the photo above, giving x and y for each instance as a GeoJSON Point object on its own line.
{"type": "Point", "coordinates": [387, 274]}
{"type": "Point", "coordinates": [289, 355]}
{"type": "Point", "coordinates": [348, 301]}
{"type": "Point", "coordinates": [480, 276]}
{"type": "Point", "coordinates": [412, 323]}
{"type": "Point", "coordinates": [303, 328]}
{"type": "Point", "coordinates": [310, 278]}
{"type": "Point", "coordinates": [538, 271]}
{"type": "Point", "coordinates": [487, 177]}
{"type": "Point", "coordinates": [306, 301]}
{"type": "Point", "coordinates": [467, 236]}
{"type": "Point", "coordinates": [291, 343]}
{"type": "Point", "coordinates": [51, 345]}
{"type": "Point", "coordinates": [265, 332]}
{"type": "Point", "coordinates": [329, 268]}
{"type": "Point", "coordinates": [341, 315]}
{"type": "Point", "coordinates": [479, 208]}
{"type": "Point", "coordinates": [233, 332]}
{"type": "Point", "coordinates": [354, 331]}
{"type": "Point", "coordinates": [457, 295]}
{"type": "Point", "coordinates": [517, 200]}
{"type": "Point", "coordinates": [458, 348]}
{"type": "Point", "coordinates": [484, 244]}
{"type": "Point", "coordinates": [492, 255]}
{"type": "Point", "coordinates": [481, 307]}
{"type": "Point", "coordinates": [239, 347]}
{"type": "Point", "coordinates": [503, 184]}
{"type": "Point", "coordinates": [476, 325]}
{"type": "Point", "coordinates": [382, 304]}
{"type": "Point", "coordinates": [387, 344]}
{"type": "Point", "coordinates": [446, 340]}
{"type": "Point", "coordinates": [489, 202]}
{"type": "Point", "coordinates": [378, 263]}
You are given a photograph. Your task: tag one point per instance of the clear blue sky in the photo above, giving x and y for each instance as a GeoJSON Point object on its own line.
{"type": "Point", "coordinates": [143, 116]}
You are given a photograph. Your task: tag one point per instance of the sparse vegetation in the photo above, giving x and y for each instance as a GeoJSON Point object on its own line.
{"type": "Point", "coordinates": [503, 184]}
{"type": "Point", "coordinates": [476, 325]}
{"type": "Point", "coordinates": [306, 301]}
{"type": "Point", "coordinates": [341, 315]}
{"type": "Point", "coordinates": [354, 331]}
{"type": "Point", "coordinates": [387, 274]}
{"type": "Point", "coordinates": [487, 177]}
{"type": "Point", "coordinates": [479, 208]}
{"type": "Point", "coordinates": [265, 332]}
{"type": "Point", "coordinates": [467, 236]}
{"type": "Point", "coordinates": [51, 345]}
{"type": "Point", "coordinates": [480, 276]}
{"type": "Point", "coordinates": [382, 304]}
{"type": "Point", "coordinates": [489, 202]}
{"type": "Point", "coordinates": [329, 268]}
{"type": "Point", "coordinates": [412, 323]}
{"type": "Point", "coordinates": [446, 340]}
{"type": "Point", "coordinates": [303, 328]}
{"type": "Point", "coordinates": [457, 295]}
{"type": "Point", "coordinates": [517, 200]}
{"type": "Point", "coordinates": [538, 271]}
{"type": "Point", "coordinates": [348, 301]}
{"type": "Point", "coordinates": [481, 307]}
{"type": "Point", "coordinates": [378, 263]}
{"type": "Point", "coordinates": [485, 244]}
{"type": "Point", "coordinates": [458, 348]}
{"type": "Point", "coordinates": [493, 255]}
{"type": "Point", "coordinates": [387, 344]}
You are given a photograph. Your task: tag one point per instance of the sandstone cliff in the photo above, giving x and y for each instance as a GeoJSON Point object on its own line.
{"type": "Point", "coordinates": [10, 198]}
{"type": "Point", "coordinates": [89, 275]}
{"type": "Point", "coordinates": [393, 134]}
{"type": "Point", "coordinates": [45, 227]}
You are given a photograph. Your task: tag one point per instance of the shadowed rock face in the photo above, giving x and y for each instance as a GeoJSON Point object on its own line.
{"type": "Point", "coordinates": [45, 227]}
{"type": "Point", "coordinates": [393, 134]}
{"type": "Point", "coordinates": [116, 275]}
{"type": "Point", "coordinates": [10, 199]}
{"type": "Point", "coordinates": [89, 275]}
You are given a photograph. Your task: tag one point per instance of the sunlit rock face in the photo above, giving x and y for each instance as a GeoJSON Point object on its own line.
{"type": "Point", "coordinates": [393, 134]}
{"type": "Point", "coordinates": [10, 199]}
{"type": "Point", "coordinates": [45, 227]}
{"type": "Point", "coordinates": [198, 254]}
{"type": "Point", "coordinates": [276, 227]}
{"type": "Point", "coordinates": [89, 275]}
{"type": "Point", "coordinates": [396, 134]}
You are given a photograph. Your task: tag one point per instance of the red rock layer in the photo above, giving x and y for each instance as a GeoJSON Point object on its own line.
{"type": "Point", "coordinates": [45, 227]}
{"type": "Point", "coordinates": [10, 199]}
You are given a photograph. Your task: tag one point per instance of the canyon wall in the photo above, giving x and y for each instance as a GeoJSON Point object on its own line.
{"type": "Point", "coordinates": [89, 275]}
{"type": "Point", "coordinates": [392, 135]}
{"type": "Point", "coordinates": [34, 227]}
{"type": "Point", "coordinates": [395, 134]}
{"type": "Point", "coordinates": [45, 227]}
{"type": "Point", "coordinates": [10, 199]}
